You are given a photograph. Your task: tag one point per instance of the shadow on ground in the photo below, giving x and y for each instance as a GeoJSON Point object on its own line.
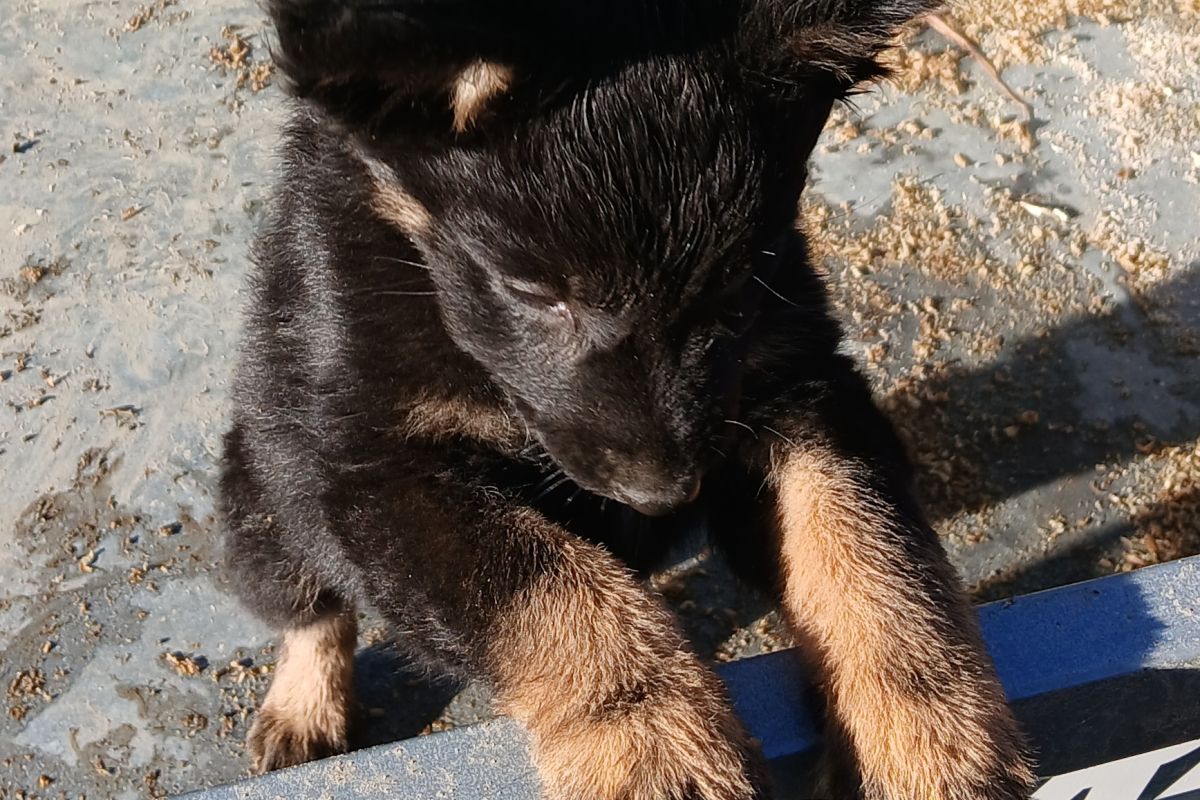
{"type": "Point", "coordinates": [397, 700]}
{"type": "Point", "coordinates": [1100, 386]}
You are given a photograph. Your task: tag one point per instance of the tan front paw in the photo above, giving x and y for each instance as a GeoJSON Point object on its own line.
{"type": "Point", "coordinates": [308, 709]}
{"type": "Point", "coordinates": [662, 749]}
{"type": "Point", "coordinates": [279, 739]}
{"type": "Point", "coordinates": [929, 752]}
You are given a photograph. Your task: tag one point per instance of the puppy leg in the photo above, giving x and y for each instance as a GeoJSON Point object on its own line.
{"type": "Point", "coordinates": [868, 586]}
{"type": "Point", "coordinates": [617, 705]}
{"type": "Point", "coordinates": [307, 712]}
{"type": "Point", "coordinates": [308, 709]}
{"type": "Point", "coordinates": [909, 684]}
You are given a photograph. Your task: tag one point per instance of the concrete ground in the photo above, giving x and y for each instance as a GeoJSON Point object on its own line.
{"type": "Point", "coordinates": [1026, 297]}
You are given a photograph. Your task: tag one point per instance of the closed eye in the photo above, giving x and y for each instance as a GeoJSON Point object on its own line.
{"type": "Point", "coordinates": [530, 292]}
{"type": "Point", "coordinates": [539, 297]}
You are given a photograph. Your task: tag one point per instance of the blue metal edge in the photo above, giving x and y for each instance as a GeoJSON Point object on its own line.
{"type": "Point", "coordinates": [1042, 642]}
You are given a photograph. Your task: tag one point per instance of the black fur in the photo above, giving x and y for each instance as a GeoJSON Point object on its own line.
{"type": "Point", "coordinates": [611, 268]}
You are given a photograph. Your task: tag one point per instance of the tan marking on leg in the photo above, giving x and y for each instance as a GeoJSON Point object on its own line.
{"type": "Point", "coordinates": [391, 200]}
{"type": "Point", "coordinates": [399, 207]}
{"type": "Point", "coordinates": [307, 712]}
{"type": "Point", "coordinates": [910, 686]}
{"type": "Point", "coordinates": [616, 705]}
{"type": "Point", "coordinates": [443, 417]}
{"type": "Point", "coordinates": [473, 88]}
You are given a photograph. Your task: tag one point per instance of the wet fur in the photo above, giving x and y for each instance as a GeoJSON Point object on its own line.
{"type": "Point", "coordinates": [532, 267]}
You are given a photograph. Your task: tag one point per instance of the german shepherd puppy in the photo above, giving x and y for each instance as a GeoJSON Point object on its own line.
{"type": "Point", "coordinates": [531, 284]}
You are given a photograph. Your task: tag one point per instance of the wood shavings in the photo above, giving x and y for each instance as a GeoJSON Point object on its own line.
{"type": "Point", "coordinates": [1013, 31]}
{"type": "Point", "coordinates": [241, 670]}
{"type": "Point", "coordinates": [912, 69]}
{"type": "Point", "coordinates": [946, 29]}
{"type": "Point", "coordinates": [1038, 211]}
{"type": "Point", "coordinates": [234, 54]}
{"type": "Point", "coordinates": [921, 229]}
{"type": "Point", "coordinates": [185, 664]}
{"type": "Point", "coordinates": [146, 14]}
{"type": "Point", "coordinates": [27, 685]}
{"type": "Point", "coordinates": [1164, 505]}
{"type": "Point", "coordinates": [125, 415]}
{"type": "Point", "coordinates": [1017, 131]}
{"type": "Point", "coordinates": [1143, 119]}
{"type": "Point", "coordinates": [87, 563]}
{"type": "Point", "coordinates": [235, 57]}
{"type": "Point", "coordinates": [1145, 265]}
{"type": "Point", "coordinates": [259, 76]}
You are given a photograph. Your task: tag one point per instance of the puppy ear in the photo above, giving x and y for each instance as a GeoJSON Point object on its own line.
{"type": "Point", "coordinates": [843, 38]}
{"type": "Point", "coordinates": [447, 63]}
{"type": "Point", "coordinates": [367, 61]}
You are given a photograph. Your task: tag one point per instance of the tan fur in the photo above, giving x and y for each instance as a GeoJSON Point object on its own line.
{"type": "Point", "coordinates": [399, 207]}
{"type": "Point", "coordinates": [439, 418]}
{"type": "Point", "coordinates": [474, 87]}
{"type": "Point", "coordinates": [909, 685]}
{"type": "Point", "coordinates": [307, 712]}
{"type": "Point", "coordinates": [616, 705]}
{"type": "Point", "coordinates": [390, 199]}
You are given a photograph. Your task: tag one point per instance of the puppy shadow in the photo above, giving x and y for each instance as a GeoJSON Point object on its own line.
{"type": "Point", "coordinates": [1100, 389]}
{"type": "Point", "coordinates": [397, 699]}
{"type": "Point", "coordinates": [723, 618]}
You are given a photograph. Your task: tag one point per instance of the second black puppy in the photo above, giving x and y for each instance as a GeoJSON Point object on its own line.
{"type": "Point", "coordinates": [531, 283]}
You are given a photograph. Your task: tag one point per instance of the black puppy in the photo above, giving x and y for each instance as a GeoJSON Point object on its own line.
{"type": "Point", "coordinates": [531, 283]}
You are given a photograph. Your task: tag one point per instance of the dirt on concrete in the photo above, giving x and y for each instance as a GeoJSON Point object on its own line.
{"type": "Point", "coordinates": [1024, 293]}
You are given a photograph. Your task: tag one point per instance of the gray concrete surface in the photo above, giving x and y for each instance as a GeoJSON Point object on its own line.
{"type": "Point", "coordinates": [1027, 302]}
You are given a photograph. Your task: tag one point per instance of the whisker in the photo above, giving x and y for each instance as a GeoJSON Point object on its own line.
{"type": "Point", "coordinates": [866, 205]}
{"type": "Point", "coordinates": [741, 424]}
{"type": "Point", "coordinates": [380, 287]}
{"type": "Point", "coordinates": [767, 286]}
{"type": "Point", "coordinates": [761, 486]}
{"type": "Point", "coordinates": [533, 451]}
{"type": "Point", "coordinates": [770, 472]}
{"type": "Point", "coordinates": [405, 261]}
{"type": "Point", "coordinates": [552, 476]}
{"type": "Point", "coordinates": [787, 439]}
{"type": "Point", "coordinates": [551, 488]}
{"type": "Point", "coordinates": [406, 294]}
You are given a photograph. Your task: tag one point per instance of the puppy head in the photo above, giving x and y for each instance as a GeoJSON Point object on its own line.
{"type": "Point", "coordinates": [600, 191]}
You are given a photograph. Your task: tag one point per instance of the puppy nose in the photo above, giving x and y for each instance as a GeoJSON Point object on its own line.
{"type": "Point", "coordinates": [656, 505]}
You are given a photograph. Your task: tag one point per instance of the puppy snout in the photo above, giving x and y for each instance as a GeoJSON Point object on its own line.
{"type": "Point", "coordinates": [662, 501]}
